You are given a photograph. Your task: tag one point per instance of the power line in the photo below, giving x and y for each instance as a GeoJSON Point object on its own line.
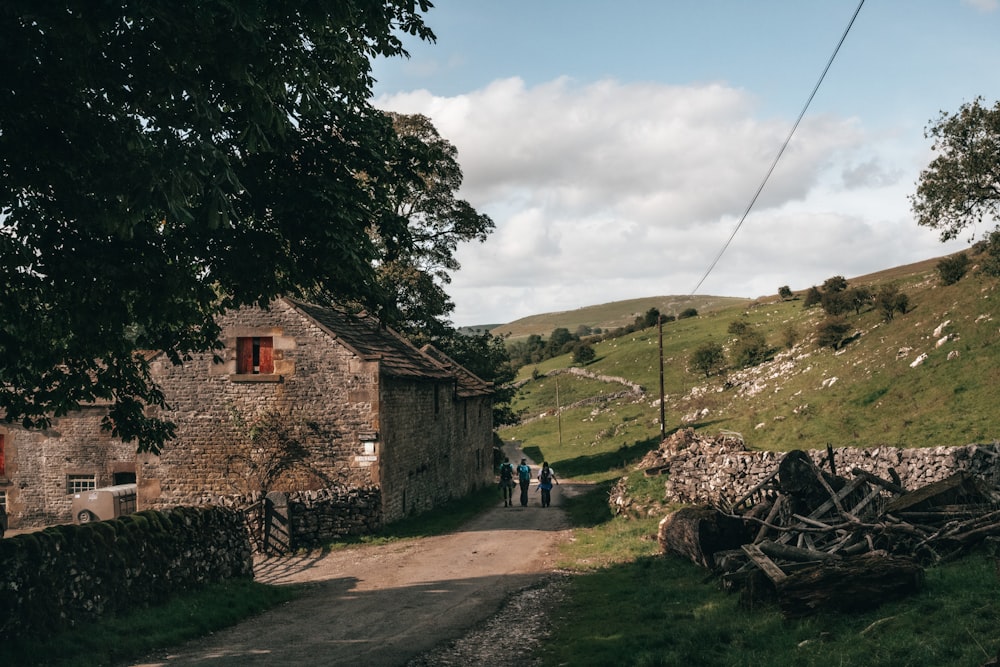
{"type": "Point", "coordinates": [780, 152]}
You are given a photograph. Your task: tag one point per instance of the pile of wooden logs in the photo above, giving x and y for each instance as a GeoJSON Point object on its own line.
{"type": "Point", "coordinates": [815, 540]}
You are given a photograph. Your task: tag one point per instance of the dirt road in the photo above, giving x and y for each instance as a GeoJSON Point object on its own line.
{"type": "Point", "coordinates": [389, 605]}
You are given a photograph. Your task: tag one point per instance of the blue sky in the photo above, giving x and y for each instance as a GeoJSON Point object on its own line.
{"type": "Point", "coordinates": [617, 145]}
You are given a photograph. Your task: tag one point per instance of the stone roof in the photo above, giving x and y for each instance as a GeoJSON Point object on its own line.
{"type": "Point", "coordinates": [469, 384]}
{"type": "Point", "coordinates": [364, 335]}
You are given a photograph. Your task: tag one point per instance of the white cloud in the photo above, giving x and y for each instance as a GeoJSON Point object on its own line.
{"type": "Point", "coordinates": [609, 191]}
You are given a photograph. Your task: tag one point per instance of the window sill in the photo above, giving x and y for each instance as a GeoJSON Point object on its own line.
{"type": "Point", "coordinates": [256, 377]}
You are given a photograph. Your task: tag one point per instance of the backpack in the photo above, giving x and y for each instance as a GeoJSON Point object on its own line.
{"type": "Point", "coordinates": [546, 476]}
{"type": "Point", "coordinates": [506, 471]}
{"type": "Point", "coordinates": [524, 473]}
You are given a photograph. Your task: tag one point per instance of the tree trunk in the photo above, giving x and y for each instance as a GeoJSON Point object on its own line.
{"type": "Point", "coordinates": [697, 533]}
{"type": "Point", "coordinates": [853, 584]}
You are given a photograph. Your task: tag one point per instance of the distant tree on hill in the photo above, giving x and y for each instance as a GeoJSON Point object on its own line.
{"type": "Point", "coordinates": [989, 263]}
{"type": "Point", "coordinates": [958, 188]}
{"type": "Point", "coordinates": [859, 297]}
{"type": "Point", "coordinates": [709, 358]}
{"type": "Point", "coordinates": [952, 269]}
{"type": "Point", "coordinates": [583, 353]}
{"type": "Point", "coordinates": [832, 332]}
{"type": "Point", "coordinates": [813, 297]}
{"type": "Point", "coordinates": [739, 326]}
{"type": "Point", "coordinates": [688, 312]}
{"type": "Point", "coordinates": [789, 336]}
{"type": "Point", "coordinates": [890, 300]}
{"type": "Point", "coordinates": [583, 331]}
{"type": "Point", "coordinates": [835, 284]}
{"type": "Point", "coordinates": [836, 302]}
{"type": "Point", "coordinates": [559, 342]}
{"type": "Point", "coordinates": [750, 349]}
{"type": "Point", "coordinates": [785, 292]}
{"type": "Point", "coordinates": [651, 318]}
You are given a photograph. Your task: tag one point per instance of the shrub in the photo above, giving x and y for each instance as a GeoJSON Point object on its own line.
{"type": "Point", "coordinates": [785, 292]}
{"type": "Point", "coordinates": [832, 332]}
{"type": "Point", "coordinates": [952, 269]}
{"type": "Point", "coordinates": [750, 349]}
{"type": "Point", "coordinates": [709, 358]}
{"type": "Point", "coordinates": [688, 312]}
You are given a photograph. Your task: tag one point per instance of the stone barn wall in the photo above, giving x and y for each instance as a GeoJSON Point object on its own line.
{"type": "Point", "coordinates": [321, 394]}
{"type": "Point", "coordinates": [39, 465]}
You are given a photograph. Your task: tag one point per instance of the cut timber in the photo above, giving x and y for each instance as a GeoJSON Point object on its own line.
{"type": "Point", "coordinates": [697, 533]}
{"type": "Point", "coordinates": [766, 565]}
{"type": "Point", "coordinates": [949, 491]}
{"type": "Point", "coordinates": [850, 584]}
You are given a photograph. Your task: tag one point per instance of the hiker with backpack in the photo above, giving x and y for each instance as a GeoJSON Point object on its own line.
{"type": "Point", "coordinates": [545, 479]}
{"type": "Point", "coordinates": [524, 479]}
{"type": "Point", "coordinates": [507, 482]}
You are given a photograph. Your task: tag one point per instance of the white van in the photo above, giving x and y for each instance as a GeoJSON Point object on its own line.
{"type": "Point", "coordinates": [107, 502]}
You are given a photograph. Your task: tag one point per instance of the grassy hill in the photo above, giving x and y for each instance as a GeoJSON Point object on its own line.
{"type": "Point", "coordinates": [871, 392]}
{"type": "Point", "coordinates": [610, 315]}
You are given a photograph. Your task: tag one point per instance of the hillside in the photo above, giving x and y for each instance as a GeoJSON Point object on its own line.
{"type": "Point", "coordinates": [925, 378]}
{"type": "Point", "coordinates": [610, 315]}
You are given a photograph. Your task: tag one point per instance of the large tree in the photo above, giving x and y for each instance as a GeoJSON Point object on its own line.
{"type": "Point", "coordinates": [160, 162]}
{"type": "Point", "coordinates": [961, 186]}
{"type": "Point", "coordinates": [429, 221]}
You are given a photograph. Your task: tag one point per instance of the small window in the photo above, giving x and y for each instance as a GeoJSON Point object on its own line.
{"type": "Point", "coordinates": [255, 355]}
{"type": "Point", "coordinates": [80, 483]}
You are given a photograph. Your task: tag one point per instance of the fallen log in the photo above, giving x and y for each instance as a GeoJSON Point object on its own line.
{"type": "Point", "coordinates": [697, 533]}
{"type": "Point", "coordinates": [852, 584]}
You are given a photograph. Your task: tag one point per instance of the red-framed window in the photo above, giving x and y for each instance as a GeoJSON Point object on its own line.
{"type": "Point", "coordinates": [255, 355]}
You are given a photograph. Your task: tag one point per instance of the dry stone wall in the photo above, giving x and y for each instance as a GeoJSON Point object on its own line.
{"type": "Point", "coordinates": [706, 470]}
{"type": "Point", "coordinates": [66, 575]}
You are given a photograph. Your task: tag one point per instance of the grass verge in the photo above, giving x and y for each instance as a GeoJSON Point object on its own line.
{"type": "Point", "coordinates": [121, 639]}
{"type": "Point", "coordinates": [630, 606]}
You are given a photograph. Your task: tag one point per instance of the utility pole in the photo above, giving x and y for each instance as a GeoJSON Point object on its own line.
{"type": "Point", "coordinates": [663, 414]}
{"type": "Point", "coordinates": [558, 413]}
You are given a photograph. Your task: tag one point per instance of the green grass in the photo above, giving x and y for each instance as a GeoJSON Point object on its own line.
{"type": "Point", "coordinates": [127, 638]}
{"type": "Point", "coordinates": [629, 606]}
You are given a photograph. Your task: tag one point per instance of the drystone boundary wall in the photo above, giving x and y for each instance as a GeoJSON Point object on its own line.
{"type": "Point", "coordinates": [707, 471]}
{"type": "Point", "coordinates": [68, 574]}
{"type": "Point", "coordinates": [282, 522]}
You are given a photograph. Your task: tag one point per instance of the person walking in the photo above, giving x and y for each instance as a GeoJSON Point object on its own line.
{"type": "Point", "coordinates": [524, 479]}
{"type": "Point", "coordinates": [545, 479]}
{"type": "Point", "coordinates": [507, 482]}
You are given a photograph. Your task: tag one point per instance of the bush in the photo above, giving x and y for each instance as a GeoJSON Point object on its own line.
{"type": "Point", "coordinates": [583, 354]}
{"type": "Point", "coordinates": [688, 312]}
{"type": "Point", "coordinates": [709, 358]}
{"type": "Point", "coordinates": [750, 350]}
{"type": "Point", "coordinates": [832, 332]}
{"type": "Point", "coordinates": [952, 269]}
{"type": "Point", "coordinates": [785, 292]}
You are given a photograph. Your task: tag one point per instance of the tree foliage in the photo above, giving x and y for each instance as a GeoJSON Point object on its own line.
{"type": "Point", "coordinates": [952, 269]}
{"type": "Point", "coordinates": [750, 349]}
{"type": "Point", "coordinates": [785, 292]}
{"type": "Point", "coordinates": [832, 332]}
{"type": "Point", "coordinates": [163, 162]}
{"type": "Point", "coordinates": [961, 185]}
{"type": "Point", "coordinates": [486, 356]}
{"type": "Point", "coordinates": [890, 300]}
{"type": "Point", "coordinates": [428, 221]}
{"type": "Point", "coordinates": [708, 358]}
{"type": "Point", "coordinates": [583, 353]}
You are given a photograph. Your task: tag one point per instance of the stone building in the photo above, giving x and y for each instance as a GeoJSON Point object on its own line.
{"type": "Point", "coordinates": [300, 398]}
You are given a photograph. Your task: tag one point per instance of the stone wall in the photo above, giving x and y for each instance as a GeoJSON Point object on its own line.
{"type": "Point", "coordinates": [39, 465]}
{"type": "Point", "coordinates": [705, 470]}
{"type": "Point", "coordinates": [322, 395]}
{"type": "Point", "coordinates": [65, 575]}
{"type": "Point", "coordinates": [435, 446]}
